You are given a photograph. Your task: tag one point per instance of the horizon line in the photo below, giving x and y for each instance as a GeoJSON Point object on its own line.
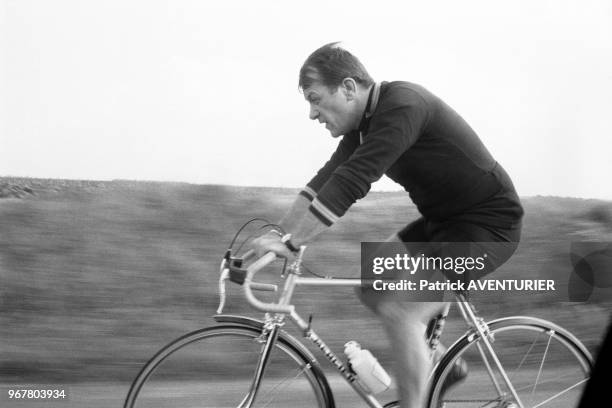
{"type": "Point", "coordinates": [120, 180]}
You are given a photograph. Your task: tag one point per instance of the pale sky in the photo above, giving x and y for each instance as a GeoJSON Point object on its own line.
{"type": "Point", "coordinates": [206, 92]}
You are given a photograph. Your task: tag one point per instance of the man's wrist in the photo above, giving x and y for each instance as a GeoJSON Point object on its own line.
{"type": "Point", "coordinates": [286, 239]}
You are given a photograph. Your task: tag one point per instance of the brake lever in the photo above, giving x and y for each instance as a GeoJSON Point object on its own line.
{"type": "Point", "coordinates": [224, 276]}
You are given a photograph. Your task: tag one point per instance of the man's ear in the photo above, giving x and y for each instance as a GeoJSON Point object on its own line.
{"type": "Point", "coordinates": [349, 88]}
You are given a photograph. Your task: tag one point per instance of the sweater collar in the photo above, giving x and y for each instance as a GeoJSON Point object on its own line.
{"type": "Point", "coordinates": [370, 106]}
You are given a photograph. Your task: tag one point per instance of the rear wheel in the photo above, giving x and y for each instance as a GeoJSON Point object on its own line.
{"type": "Point", "coordinates": [214, 367]}
{"type": "Point", "coordinates": [546, 365]}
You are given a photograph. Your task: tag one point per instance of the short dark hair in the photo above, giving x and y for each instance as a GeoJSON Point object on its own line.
{"type": "Point", "coordinates": [330, 64]}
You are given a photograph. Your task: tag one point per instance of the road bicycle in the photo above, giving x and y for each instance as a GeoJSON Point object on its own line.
{"type": "Point", "coordinates": [514, 362]}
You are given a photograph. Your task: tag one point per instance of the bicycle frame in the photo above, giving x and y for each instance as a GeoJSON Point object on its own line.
{"type": "Point", "coordinates": [284, 308]}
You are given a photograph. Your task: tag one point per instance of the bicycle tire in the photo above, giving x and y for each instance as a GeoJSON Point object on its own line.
{"type": "Point", "coordinates": [221, 378]}
{"type": "Point", "coordinates": [554, 367]}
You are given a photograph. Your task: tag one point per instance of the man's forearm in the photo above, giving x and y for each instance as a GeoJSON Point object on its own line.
{"type": "Point", "coordinates": [298, 210]}
{"type": "Point", "coordinates": [306, 229]}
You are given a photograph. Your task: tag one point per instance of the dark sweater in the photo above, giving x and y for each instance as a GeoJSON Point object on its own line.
{"type": "Point", "coordinates": [421, 143]}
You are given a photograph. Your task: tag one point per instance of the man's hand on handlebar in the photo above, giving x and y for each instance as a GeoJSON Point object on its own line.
{"type": "Point", "coordinates": [271, 242]}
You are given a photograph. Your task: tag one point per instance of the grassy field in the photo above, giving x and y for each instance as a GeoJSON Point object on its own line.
{"type": "Point", "coordinates": [96, 276]}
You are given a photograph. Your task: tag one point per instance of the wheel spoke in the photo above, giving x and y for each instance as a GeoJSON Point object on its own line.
{"type": "Point", "coordinates": [473, 401]}
{"type": "Point", "coordinates": [525, 356]}
{"type": "Point", "coordinates": [284, 383]}
{"type": "Point", "coordinates": [546, 401]}
{"type": "Point", "coordinates": [541, 365]}
{"type": "Point", "coordinates": [549, 381]}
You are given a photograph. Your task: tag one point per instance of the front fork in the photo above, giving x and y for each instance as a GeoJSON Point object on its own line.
{"type": "Point", "coordinates": [268, 338]}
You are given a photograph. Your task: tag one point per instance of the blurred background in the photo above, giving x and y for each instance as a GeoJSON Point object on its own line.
{"type": "Point", "coordinates": [97, 276]}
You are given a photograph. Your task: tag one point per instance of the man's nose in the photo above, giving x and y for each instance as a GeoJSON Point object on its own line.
{"type": "Point", "coordinates": [313, 113]}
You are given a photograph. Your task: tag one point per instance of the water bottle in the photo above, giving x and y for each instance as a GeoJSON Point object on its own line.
{"type": "Point", "coordinates": [368, 369]}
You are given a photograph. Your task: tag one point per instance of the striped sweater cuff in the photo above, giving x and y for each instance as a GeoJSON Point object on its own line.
{"type": "Point", "coordinates": [324, 214]}
{"type": "Point", "coordinates": [308, 193]}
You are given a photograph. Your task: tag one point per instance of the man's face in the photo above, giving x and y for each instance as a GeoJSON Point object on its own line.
{"type": "Point", "coordinates": [337, 110]}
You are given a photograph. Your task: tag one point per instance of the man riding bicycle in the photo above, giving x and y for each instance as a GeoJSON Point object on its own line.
{"type": "Point", "coordinates": [402, 130]}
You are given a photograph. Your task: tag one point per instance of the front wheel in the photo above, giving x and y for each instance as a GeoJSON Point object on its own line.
{"type": "Point", "coordinates": [546, 365]}
{"type": "Point", "coordinates": [214, 367]}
